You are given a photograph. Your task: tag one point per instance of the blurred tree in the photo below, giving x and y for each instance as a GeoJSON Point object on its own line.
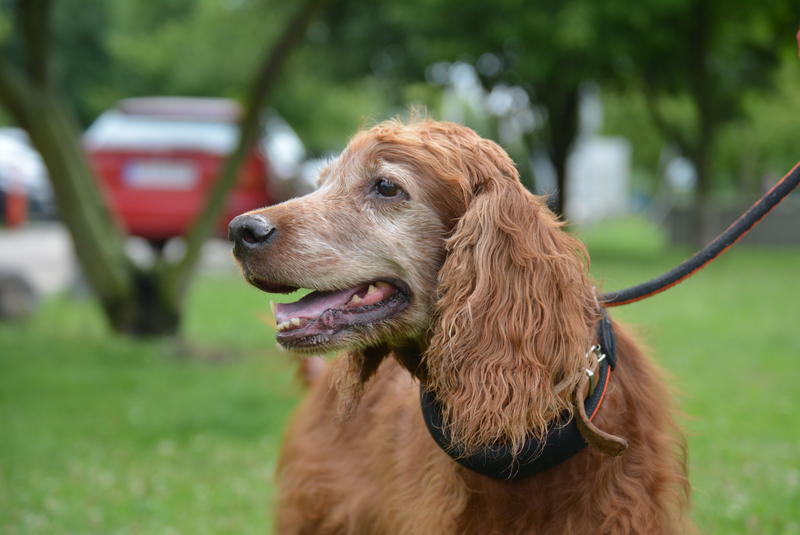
{"type": "Point", "coordinates": [136, 300]}
{"type": "Point", "coordinates": [117, 49]}
{"type": "Point", "coordinates": [752, 150]}
{"type": "Point", "coordinates": [345, 74]}
{"type": "Point", "coordinates": [548, 49]}
{"type": "Point", "coordinates": [694, 60]}
{"type": "Point", "coordinates": [771, 134]}
{"type": "Point", "coordinates": [708, 53]}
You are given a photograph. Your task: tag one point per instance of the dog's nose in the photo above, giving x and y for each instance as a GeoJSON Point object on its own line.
{"type": "Point", "coordinates": [251, 231]}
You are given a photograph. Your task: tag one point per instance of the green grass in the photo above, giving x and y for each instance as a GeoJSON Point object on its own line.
{"type": "Point", "coordinates": [107, 435]}
{"type": "Point", "coordinates": [101, 434]}
{"type": "Point", "coordinates": [730, 341]}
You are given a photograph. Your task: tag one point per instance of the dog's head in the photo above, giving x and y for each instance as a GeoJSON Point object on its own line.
{"type": "Point", "coordinates": [421, 234]}
{"type": "Point", "coordinates": [369, 242]}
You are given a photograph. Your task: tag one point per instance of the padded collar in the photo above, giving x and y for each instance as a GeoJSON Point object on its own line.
{"type": "Point", "coordinates": [563, 438]}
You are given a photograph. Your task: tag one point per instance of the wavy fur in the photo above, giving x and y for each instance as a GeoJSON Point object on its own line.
{"type": "Point", "coordinates": [515, 313]}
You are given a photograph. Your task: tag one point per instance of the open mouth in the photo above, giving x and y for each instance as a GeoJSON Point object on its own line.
{"type": "Point", "coordinates": [317, 319]}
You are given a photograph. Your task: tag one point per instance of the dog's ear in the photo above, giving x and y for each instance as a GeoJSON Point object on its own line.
{"type": "Point", "coordinates": [514, 314]}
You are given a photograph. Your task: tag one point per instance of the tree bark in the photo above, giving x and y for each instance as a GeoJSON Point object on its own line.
{"type": "Point", "coordinates": [33, 17]}
{"type": "Point", "coordinates": [699, 148]}
{"type": "Point", "coordinates": [523, 159]}
{"type": "Point", "coordinates": [95, 236]}
{"type": "Point", "coordinates": [562, 121]}
{"type": "Point", "coordinates": [701, 92]}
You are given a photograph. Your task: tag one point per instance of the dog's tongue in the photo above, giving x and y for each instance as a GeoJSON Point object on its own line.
{"type": "Point", "coordinates": [313, 304]}
{"type": "Point", "coordinates": [320, 315]}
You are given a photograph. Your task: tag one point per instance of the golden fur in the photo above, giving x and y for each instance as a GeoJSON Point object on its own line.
{"type": "Point", "coordinates": [502, 314]}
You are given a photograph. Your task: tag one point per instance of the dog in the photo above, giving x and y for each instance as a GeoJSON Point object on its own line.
{"type": "Point", "coordinates": [435, 270]}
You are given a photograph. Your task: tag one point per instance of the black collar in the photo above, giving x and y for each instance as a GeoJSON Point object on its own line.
{"type": "Point", "coordinates": [563, 438]}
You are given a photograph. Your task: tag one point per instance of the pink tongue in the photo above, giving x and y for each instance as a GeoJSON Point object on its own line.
{"type": "Point", "coordinates": [314, 304]}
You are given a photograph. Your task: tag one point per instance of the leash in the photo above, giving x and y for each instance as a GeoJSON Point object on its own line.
{"type": "Point", "coordinates": [719, 245]}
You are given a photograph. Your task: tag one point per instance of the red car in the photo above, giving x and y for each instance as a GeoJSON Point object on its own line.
{"type": "Point", "coordinates": [157, 159]}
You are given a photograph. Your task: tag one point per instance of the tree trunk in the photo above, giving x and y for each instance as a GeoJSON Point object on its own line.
{"type": "Point", "coordinates": [562, 121]}
{"type": "Point", "coordinates": [701, 92]}
{"type": "Point", "coordinates": [521, 154]}
{"type": "Point", "coordinates": [95, 236]}
{"type": "Point", "coordinates": [703, 215]}
{"type": "Point", "coordinates": [151, 310]}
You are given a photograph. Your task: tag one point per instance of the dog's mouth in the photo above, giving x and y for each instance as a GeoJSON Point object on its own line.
{"type": "Point", "coordinates": [322, 317]}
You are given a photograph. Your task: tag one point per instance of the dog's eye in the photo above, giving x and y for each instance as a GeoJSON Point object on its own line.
{"type": "Point", "coordinates": [387, 188]}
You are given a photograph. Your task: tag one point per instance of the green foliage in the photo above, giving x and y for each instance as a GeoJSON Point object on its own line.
{"type": "Point", "coordinates": [120, 49]}
{"type": "Point", "coordinates": [337, 112]}
{"type": "Point", "coordinates": [727, 339]}
{"type": "Point", "coordinates": [193, 48]}
{"type": "Point", "coordinates": [764, 144]}
{"type": "Point", "coordinates": [658, 43]}
{"type": "Point", "coordinates": [367, 60]}
{"type": "Point", "coordinates": [712, 52]}
{"type": "Point", "coordinates": [84, 67]}
{"type": "Point", "coordinates": [752, 151]}
{"type": "Point", "coordinates": [625, 114]}
{"type": "Point", "coordinates": [6, 27]}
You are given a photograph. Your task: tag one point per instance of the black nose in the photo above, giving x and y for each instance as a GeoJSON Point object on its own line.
{"type": "Point", "coordinates": [250, 231]}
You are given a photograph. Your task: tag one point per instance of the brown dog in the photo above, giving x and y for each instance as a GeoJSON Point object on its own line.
{"type": "Point", "coordinates": [430, 263]}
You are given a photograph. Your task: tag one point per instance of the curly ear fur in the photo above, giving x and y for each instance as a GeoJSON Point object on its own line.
{"type": "Point", "coordinates": [515, 311]}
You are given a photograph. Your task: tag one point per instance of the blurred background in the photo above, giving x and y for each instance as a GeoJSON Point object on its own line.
{"type": "Point", "coordinates": [141, 390]}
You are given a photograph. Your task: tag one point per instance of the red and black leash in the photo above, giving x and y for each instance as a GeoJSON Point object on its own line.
{"type": "Point", "coordinates": [719, 245]}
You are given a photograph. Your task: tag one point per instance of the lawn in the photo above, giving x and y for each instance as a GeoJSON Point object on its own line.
{"type": "Point", "coordinates": [100, 434]}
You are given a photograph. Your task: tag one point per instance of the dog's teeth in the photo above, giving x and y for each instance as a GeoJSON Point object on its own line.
{"type": "Point", "coordinates": [381, 284]}
{"type": "Point", "coordinates": [288, 324]}
{"type": "Point", "coordinates": [355, 299]}
{"type": "Point", "coordinates": [371, 290]}
{"type": "Point", "coordinates": [272, 307]}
